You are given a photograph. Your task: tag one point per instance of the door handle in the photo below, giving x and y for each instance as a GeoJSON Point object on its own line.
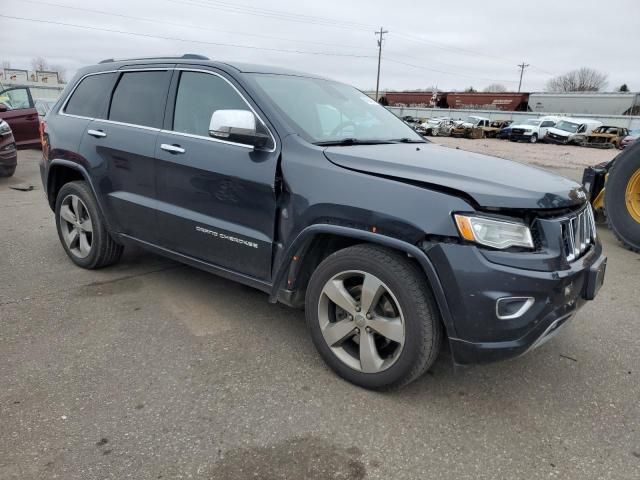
{"type": "Point", "coordinates": [96, 133]}
{"type": "Point", "coordinates": [172, 148]}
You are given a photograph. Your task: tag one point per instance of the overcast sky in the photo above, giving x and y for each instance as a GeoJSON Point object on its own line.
{"type": "Point", "coordinates": [451, 44]}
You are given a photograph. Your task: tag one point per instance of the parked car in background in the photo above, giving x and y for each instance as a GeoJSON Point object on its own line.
{"type": "Point", "coordinates": [495, 127]}
{"type": "Point", "coordinates": [471, 127]}
{"type": "Point", "coordinates": [8, 152]}
{"type": "Point", "coordinates": [435, 127]}
{"type": "Point", "coordinates": [606, 137]}
{"type": "Point", "coordinates": [17, 108]}
{"type": "Point", "coordinates": [44, 106]}
{"type": "Point", "coordinates": [631, 137]}
{"type": "Point", "coordinates": [532, 130]}
{"type": "Point", "coordinates": [571, 130]}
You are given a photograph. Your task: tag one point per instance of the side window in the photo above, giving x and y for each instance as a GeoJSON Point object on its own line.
{"type": "Point", "coordinates": [547, 123]}
{"type": "Point", "coordinates": [199, 95]}
{"type": "Point", "coordinates": [15, 98]}
{"type": "Point", "coordinates": [140, 98]}
{"type": "Point", "coordinates": [90, 97]}
{"type": "Point", "coordinates": [582, 129]}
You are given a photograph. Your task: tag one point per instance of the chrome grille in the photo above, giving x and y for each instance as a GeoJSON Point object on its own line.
{"type": "Point", "coordinates": [578, 233]}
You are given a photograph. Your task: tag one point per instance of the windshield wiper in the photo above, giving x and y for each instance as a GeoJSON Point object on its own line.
{"type": "Point", "coordinates": [351, 141]}
{"type": "Point", "coordinates": [406, 140]}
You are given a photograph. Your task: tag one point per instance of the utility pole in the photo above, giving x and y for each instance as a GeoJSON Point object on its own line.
{"type": "Point", "coordinates": [522, 67]}
{"type": "Point", "coordinates": [380, 34]}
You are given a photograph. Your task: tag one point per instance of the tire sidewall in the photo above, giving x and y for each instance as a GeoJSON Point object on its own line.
{"type": "Point", "coordinates": [415, 325]}
{"type": "Point", "coordinates": [618, 216]}
{"type": "Point", "coordinates": [98, 234]}
{"type": "Point", "coordinates": [534, 138]}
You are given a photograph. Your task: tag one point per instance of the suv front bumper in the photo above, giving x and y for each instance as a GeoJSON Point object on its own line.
{"type": "Point", "coordinates": [472, 285]}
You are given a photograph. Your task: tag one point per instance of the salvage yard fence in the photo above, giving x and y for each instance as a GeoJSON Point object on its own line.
{"type": "Point", "coordinates": [626, 121]}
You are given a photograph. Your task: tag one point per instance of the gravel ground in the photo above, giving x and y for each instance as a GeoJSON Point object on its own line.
{"type": "Point", "coordinates": [154, 370]}
{"type": "Point", "coordinates": [540, 154]}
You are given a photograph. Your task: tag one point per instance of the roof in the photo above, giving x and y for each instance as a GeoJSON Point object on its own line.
{"type": "Point", "coordinates": [195, 59]}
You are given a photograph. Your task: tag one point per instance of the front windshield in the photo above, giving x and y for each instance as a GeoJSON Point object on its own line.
{"type": "Point", "coordinates": [324, 111]}
{"type": "Point", "coordinates": [567, 126]}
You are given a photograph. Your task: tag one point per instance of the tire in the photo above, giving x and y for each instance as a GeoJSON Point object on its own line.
{"type": "Point", "coordinates": [7, 171]}
{"type": "Point", "coordinates": [102, 249]}
{"type": "Point", "coordinates": [405, 292]}
{"type": "Point", "coordinates": [534, 138]}
{"type": "Point", "coordinates": [619, 218]}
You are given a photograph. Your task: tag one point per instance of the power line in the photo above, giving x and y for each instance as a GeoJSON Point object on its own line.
{"type": "Point", "coordinates": [449, 73]}
{"type": "Point", "coordinates": [162, 22]}
{"type": "Point", "coordinates": [203, 42]}
{"type": "Point", "coordinates": [272, 14]}
{"type": "Point", "coordinates": [464, 51]}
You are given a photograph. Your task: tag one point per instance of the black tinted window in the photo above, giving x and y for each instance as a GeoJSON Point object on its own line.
{"type": "Point", "coordinates": [199, 95]}
{"type": "Point", "coordinates": [139, 98]}
{"type": "Point", "coordinates": [90, 97]}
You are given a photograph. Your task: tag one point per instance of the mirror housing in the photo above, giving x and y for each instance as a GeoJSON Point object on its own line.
{"type": "Point", "coordinates": [239, 126]}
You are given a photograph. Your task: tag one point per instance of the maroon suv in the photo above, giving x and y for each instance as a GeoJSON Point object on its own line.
{"type": "Point", "coordinates": [17, 108]}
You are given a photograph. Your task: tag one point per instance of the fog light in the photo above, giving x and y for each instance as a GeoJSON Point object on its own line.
{"type": "Point", "coordinates": [508, 308]}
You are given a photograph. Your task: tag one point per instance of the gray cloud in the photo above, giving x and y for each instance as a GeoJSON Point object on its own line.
{"type": "Point", "coordinates": [453, 45]}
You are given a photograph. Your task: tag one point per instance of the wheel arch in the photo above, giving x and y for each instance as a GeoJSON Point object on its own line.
{"type": "Point", "coordinates": [61, 172]}
{"type": "Point", "coordinates": [316, 242]}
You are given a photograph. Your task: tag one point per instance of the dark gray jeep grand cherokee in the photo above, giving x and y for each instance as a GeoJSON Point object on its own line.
{"type": "Point", "coordinates": [307, 189]}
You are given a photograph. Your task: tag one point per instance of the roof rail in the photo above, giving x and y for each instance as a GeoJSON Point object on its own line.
{"type": "Point", "coordinates": [186, 56]}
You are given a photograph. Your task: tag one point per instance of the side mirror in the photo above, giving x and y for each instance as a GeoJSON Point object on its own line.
{"type": "Point", "coordinates": [238, 126]}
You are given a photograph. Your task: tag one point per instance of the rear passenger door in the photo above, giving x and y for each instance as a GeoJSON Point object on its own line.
{"type": "Point", "coordinates": [122, 145]}
{"type": "Point", "coordinates": [217, 198]}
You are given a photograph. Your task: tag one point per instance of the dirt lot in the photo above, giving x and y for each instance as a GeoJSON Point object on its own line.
{"type": "Point", "coordinates": [153, 370]}
{"type": "Point", "coordinates": [540, 154]}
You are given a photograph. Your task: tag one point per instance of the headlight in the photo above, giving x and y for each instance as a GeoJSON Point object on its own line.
{"type": "Point", "coordinates": [493, 233]}
{"type": "Point", "coordinates": [4, 128]}
{"type": "Point", "coordinates": [528, 130]}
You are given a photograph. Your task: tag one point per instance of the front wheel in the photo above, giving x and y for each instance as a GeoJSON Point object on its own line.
{"type": "Point", "coordinates": [81, 228]}
{"type": "Point", "coordinates": [534, 138]}
{"type": "Point", "coordinates": [372, 317]}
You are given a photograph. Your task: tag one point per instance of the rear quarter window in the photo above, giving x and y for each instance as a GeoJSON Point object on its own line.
{"type": "Point", "coordinates": [140, 98]}
{"type": "Point", "coordinates": [89, 99]}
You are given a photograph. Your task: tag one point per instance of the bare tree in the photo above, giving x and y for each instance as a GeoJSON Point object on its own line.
{"type": "Point", "coordinates": [495, 88]}
{"type": "Point", "coordinates": [581, 80]}
{"type": "Point", "coordinates": [62, 72]}
{"type": "Point", "coordinates": [470, 90]}
{"type": "Point", "coordinates": [39, 64]}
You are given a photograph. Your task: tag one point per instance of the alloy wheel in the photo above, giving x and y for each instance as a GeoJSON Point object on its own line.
{"type": "Point", "coordinates": [76, 226]}
{"type": "Point", "coordinates": [361, 321]}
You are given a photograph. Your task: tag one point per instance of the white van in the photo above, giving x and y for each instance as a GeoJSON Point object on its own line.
{"type": "Point", "coordinates": [571, 130]}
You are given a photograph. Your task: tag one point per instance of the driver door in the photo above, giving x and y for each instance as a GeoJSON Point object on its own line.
{"type": "Point", "coordinates": [216, 199]}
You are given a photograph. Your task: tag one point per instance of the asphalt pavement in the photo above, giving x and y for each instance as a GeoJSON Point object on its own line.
{"type": "Point", "coordinates": [151, 369]}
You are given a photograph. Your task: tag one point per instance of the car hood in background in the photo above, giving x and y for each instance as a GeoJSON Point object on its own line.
{"type": "Point", "coordinates": [491, 182]}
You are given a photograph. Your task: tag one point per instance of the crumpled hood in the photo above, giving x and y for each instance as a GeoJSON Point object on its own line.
{"type": "Point", "coordinates": [490, 181]}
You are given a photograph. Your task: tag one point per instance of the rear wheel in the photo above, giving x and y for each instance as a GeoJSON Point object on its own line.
{"type": "Point", "coordinates": [622, 198]}
{"type": "Point", "coordinates": [7, 171]}
{"type": "Point", "coordinates": [81, 228]}
{"type": "Point", "coordinates": [372, 317]}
